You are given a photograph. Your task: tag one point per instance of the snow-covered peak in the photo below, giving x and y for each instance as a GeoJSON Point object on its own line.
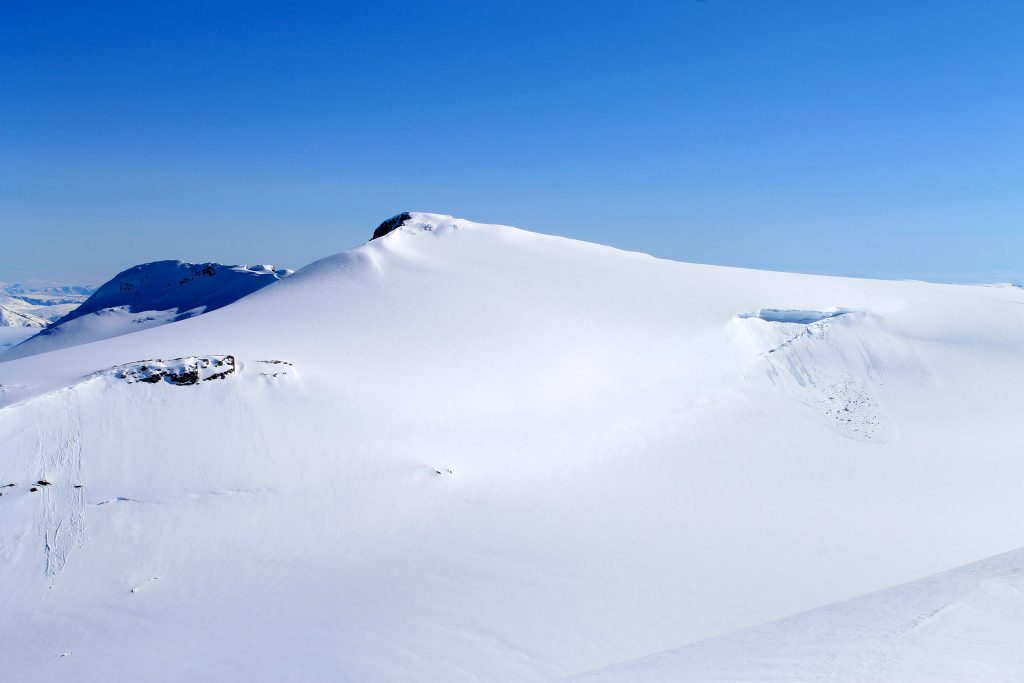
{"type": "Point", "coordinates": [415, 221]}
{"type": "Point", "coordinates": [176, 285]}
{"type": "Point", "coordinates": [148, 295]}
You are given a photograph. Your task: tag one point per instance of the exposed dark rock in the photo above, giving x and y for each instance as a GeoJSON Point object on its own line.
{"type": "Point", "coordinates": [178, 371]}
{"type": "Point", "coordinates": [184, 378]}
{"type": "Point", "coordinates": [216, 367]}
{"type": "Point", "coordinates": [43, 482]}
{"type": "Point", "coordinates": [390, 224]}
{"type": "Point", "coordinates": [33, 489]}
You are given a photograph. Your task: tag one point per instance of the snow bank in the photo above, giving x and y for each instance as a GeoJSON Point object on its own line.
{"type": "Point", "coordinates": [966, 624]}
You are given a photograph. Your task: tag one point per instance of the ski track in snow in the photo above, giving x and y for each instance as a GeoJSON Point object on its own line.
{"type": "Point", "coordinates": [62, 506]}
{"type": "Point", "coordinates": [61, 521]}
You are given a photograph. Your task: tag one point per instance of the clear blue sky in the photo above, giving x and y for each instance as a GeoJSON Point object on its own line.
{"type": "Point", "coordinates": [862, 137]}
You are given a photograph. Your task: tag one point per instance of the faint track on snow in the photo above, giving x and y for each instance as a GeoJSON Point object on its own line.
{"type": "Point", "coordinates": [62, 515]}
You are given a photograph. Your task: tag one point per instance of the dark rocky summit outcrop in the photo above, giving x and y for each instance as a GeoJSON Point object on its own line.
{"type": "Point", "coordinates": [390, 224]}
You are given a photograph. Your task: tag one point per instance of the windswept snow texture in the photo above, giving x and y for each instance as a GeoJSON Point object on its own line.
{"type": "Point", "coordinates": [149, 295]}
{"type": "Point", "coordinates": [966, 624]}
{"type": "Point", "coordinates": [466, 452]}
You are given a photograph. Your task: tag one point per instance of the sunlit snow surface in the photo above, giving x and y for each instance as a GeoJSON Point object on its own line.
{"type": "Point", "coordinates": [966, 624]}
{"type": "Point", "coordinates": [473, 453]}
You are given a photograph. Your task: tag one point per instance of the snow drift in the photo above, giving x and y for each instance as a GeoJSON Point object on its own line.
{"type": "Point", "coordinates": [465, 452]}
{"type": "Point", "coordinates": [966, 624]}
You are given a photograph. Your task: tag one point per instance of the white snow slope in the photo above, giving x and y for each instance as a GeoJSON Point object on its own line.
{"type": "Point", "coordinates": [966, 624]}
{"type": "Point", "coordinates": [465, 452]}
{"type": "Point", "coordinates": [149, 295]}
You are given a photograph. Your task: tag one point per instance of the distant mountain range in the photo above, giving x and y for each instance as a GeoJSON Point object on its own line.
{"type": "Point", "coordinates": [25, 310]}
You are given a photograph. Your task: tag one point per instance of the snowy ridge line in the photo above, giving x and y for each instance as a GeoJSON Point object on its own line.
{"type": "Point", "coordinates": [944, 627]}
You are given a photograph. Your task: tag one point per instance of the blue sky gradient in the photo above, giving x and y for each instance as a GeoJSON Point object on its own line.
{"type": "Point", "coordinates": [868, 138]}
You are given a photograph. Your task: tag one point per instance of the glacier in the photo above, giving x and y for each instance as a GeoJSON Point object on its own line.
{"type": "Point", "coordinates": [467, 452]}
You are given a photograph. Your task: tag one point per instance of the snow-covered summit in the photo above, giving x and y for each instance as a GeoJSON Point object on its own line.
{"type": "Point", "coordinates": [416, 221]}
{"type": "Point", "coordinates": [466, 452]}
{"type": "Point", "coordinates": [176, 285]}
{"type": "Point", "coordinates": [147, 295]}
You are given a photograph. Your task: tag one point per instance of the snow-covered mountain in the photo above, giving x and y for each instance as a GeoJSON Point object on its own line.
{"type": "Point", "coordinates": [466, 452]}
{"type": "Point", "coordinates": [149, 295]}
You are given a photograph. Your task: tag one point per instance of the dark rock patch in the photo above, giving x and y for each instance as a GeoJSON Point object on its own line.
{"type": "Point", "coordinates": [177, 371]}
{"type": "Point", "coordinates": [185, 378]}
{"type": "Point", "coordinates": [390, 224]}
